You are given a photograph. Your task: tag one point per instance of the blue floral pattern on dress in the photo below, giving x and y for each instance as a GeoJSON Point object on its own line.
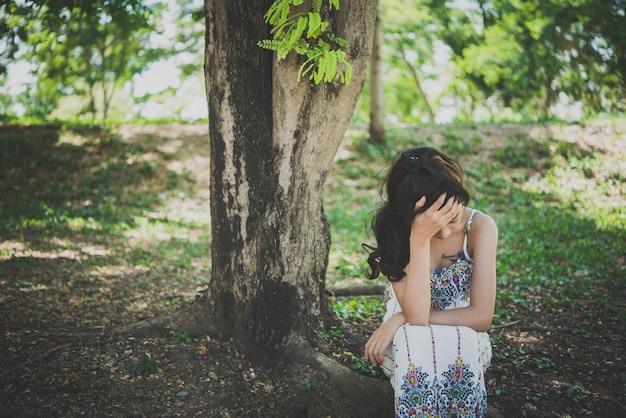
{"type": "Point", "coordinates": [451, 284]}
{"type": "Point", "coordinates": [458, 388]}
{"type": "Point", "coordinates": [417, 396]}
{"type": "Point", "coordinates": [458, 395]}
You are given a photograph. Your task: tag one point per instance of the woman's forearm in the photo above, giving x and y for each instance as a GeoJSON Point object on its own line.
{"type": "Point", "coordinates": [463, 317]}
{"type": "Point", "coordinates": [396, 320]}
{"type": "Point", "coordinates": [416, 293]}
{"type": "Point", "coordinates": [471, 317]}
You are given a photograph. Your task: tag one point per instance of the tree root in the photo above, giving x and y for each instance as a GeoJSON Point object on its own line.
{"type": "Point", "coordinates": [358, 290]}
{"type": "Point", "coordinates": [189, 318]}
{"type": "Point", "coordinates": [365, 390]}
{"type": "Point", "coordinates": [32, 360]}
{"type": "Point", "coordinates": [376, 393]}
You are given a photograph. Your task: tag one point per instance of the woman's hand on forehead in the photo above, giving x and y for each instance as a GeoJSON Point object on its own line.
{"type": "Point", "coordinates": [426, 224]}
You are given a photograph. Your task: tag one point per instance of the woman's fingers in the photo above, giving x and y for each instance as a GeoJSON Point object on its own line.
{"type": "Point", "coordinates": [368, 353]}
{"type": "Point", "coordinates": [425, 225]}
{"type": "Point", "coordinates": [437, 205]}
{"type": "Point", "coordinates": [449, 209]}
{"type": "Point", "coordinates": [441, 208]}
{"type": "Point", "coordinates": [373, 351]}
{"type": "Point", "coordinates": [420, 202]}
{"type": "Point", "coordinates": [371, 355]}
{"type": "Point", "coordinates": [453, 207]}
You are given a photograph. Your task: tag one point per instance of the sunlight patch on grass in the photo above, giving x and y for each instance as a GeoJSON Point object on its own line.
{"type": "Point", "coordinates": [9, 246]}
{"type": "Point", "coordinates": [591, 185]}
{"type": "Point", "coordinates": [72, 138]}
{"type": "Point", "coordinates": [345, 266]}
{"type": "Point", "coordinates": [78, 224]}
{"type": "Point", "coordinates": [556, 193]}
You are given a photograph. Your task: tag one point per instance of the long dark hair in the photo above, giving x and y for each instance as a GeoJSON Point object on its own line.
{"type": "Point", "coordinates": [417, 172]}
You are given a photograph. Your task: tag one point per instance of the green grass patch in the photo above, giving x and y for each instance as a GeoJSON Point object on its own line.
{"type": "Point", "coordinates": [122, 203]}
{"type": "Point", "coordinates": [89, 193]}
{"type": "Point", "coordinates": [559, 206]}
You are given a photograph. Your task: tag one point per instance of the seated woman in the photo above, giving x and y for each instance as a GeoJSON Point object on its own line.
{"type": "Point", "coordinates": [440, 258]}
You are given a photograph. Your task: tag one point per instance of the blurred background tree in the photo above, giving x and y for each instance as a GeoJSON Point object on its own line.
{"type": "Point", "coordinates": [528, 56]}
{"type": "Point", "coordinates": [441, 61]}
{"type": "Point", "coordinates": [85, 49]}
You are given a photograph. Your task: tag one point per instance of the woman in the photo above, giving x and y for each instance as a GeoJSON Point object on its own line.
{"type": "Point", "coordinates": [440, 257]}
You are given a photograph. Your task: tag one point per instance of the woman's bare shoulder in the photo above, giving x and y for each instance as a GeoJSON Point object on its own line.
{"type": "Point", "coordinates": [484, 231]}
{"type": "Point", "coordinates": [484, 222]}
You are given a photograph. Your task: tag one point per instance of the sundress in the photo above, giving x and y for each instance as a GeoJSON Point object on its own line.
{"type": "Point", "coordinates": [438, 370]}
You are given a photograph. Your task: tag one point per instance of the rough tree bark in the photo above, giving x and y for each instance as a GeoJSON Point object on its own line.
{"type": "Point", "coordinates": [272, 142]}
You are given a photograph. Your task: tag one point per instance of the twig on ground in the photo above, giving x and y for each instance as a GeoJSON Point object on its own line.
{"type": "Point", "coordinates": [508, 324]}
{"type": "Point", "coordinates": [41, 357]}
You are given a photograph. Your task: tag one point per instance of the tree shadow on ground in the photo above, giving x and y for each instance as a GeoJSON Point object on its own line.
{"type": "Point", "coordinates": [51, 174]}
{"type": "Point", "coordinates": [68, 270]}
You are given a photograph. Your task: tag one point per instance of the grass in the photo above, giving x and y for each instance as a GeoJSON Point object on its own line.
{"type": "Point", "coordinates": [88, 194]}
{"type": "Point", "coordinates": [559, 206]}
{"type": "Point", "coordinates": [120, 205]}
{"type": "Point", "coordinates": [88, 182]}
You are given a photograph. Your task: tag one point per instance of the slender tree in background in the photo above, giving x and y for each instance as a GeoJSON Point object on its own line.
{"type": "Point", "coordinates": [189, 38]}
{"type": "Point", "coordinates": [410, 45]}
{"type": "Point", "coordinates": [376, 89]}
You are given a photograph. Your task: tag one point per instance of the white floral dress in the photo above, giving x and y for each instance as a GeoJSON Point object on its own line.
{"type": "Point", "coordinates": [438, 370]}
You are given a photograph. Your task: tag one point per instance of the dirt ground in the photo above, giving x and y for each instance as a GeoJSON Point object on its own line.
{"type": "Point", "coordinates": [62, 355]}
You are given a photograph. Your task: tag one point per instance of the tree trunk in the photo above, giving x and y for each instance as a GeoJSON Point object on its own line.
{"type": "Point", "coordinates": [272, 142]}
{"type": "Point", "coordinates": [377, 97]}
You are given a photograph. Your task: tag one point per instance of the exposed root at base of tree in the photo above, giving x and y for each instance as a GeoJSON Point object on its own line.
{"type": "Point", "coordinates": [376, 394]}
{"type": "Point", "coordinates": [183, 320]}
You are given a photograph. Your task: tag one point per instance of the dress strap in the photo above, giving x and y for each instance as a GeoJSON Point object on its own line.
{"type": "Point", "coordinates": [468, 226]}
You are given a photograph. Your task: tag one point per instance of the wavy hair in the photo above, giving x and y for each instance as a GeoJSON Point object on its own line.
{"type": "Point", "coordinates": [417, 172]}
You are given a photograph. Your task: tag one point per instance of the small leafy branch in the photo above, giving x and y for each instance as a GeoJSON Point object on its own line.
{"type": "Point", "coordinates": [182, 337]}
{"type": "Point", "coordinates": [363, 366]}
{"type": "Point", "coordinates": [305, 385]}
{"type": "Point", "coordinates": [144, 366]}
{"type": "Point", "coordinates": [307, 34]}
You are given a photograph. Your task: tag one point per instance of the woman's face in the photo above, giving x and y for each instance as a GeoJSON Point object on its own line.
{"type": "Point", "coordinates": [453, 226]}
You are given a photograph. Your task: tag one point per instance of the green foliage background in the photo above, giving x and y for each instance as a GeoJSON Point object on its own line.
{"type": "Point", "coordinates": [474, 60]}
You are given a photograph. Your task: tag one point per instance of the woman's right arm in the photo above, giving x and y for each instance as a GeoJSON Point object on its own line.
{"type": "Point", "coordinates": [413, 290]}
